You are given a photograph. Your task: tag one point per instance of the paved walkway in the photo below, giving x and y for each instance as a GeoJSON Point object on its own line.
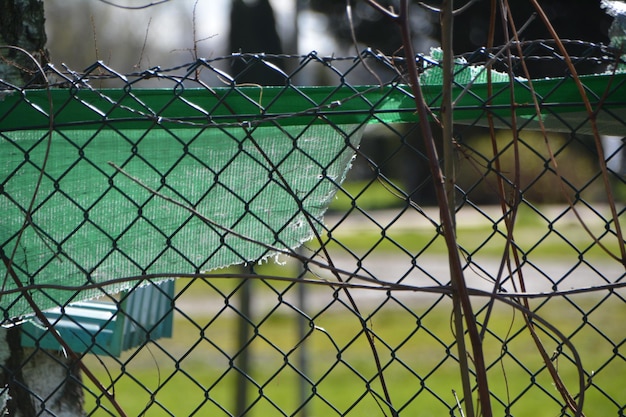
{"type": "Point", "coordinates": [540, 275]}
{"type": "Point", "coordinates": [467, 216]}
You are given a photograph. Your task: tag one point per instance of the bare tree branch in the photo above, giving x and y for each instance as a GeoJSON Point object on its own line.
{"type": "Point", "coordinates": [143, 6]}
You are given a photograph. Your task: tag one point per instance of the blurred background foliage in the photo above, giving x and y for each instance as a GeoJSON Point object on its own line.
{"type": "Point", "coordinates": [79, 32]}
{"type": "Point", "coordinates": [179, 31]}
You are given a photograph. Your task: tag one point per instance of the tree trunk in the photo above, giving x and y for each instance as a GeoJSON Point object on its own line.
{"type": "Point", "coordinates": [37, 382]}
{"type": "Point", "coordinates": [253, 30]}
{"type": "Point", "coordinates": [22, 25]}
{"type": "Point", "coordinates": [33, 382]}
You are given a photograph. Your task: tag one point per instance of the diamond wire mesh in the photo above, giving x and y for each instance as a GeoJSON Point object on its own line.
{"type": "Point", "coordinates": [253, 340]}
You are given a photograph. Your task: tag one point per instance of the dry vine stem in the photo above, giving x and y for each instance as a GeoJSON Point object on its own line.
{"type": "Point", "coordinates": [594, 127]}
{"type": "Point", "coordinates": [507, 22]}
{"type": "Point", "coordinates": [447, 119]}
{"type": "Point", "coordinates": [401, 18]}
{"type": "Point", "coordinates": [353, 304]}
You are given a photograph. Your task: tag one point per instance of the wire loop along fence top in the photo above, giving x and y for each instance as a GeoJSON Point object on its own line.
{"type": "Point", "coordinates": [111, 182]}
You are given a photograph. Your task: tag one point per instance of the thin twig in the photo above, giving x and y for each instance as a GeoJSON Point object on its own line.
{"type": "Point", "coordinates": [331, 266]}
{"type": "Point", "coordinates": [348, 277]}
{"type": "Point", "coordinates": [509, 24]}
{"type": "Point", "coordinates": [591, 114]}
{"type": "Point", "coordinates": [447, 121]}
{"type": "Point", "coordinates": [353, 303]}
{"type": "Point", "coordinates": [456, 269]}
{"type": "Point", "coordinates": [355, 43]}
{"type": "Point", "coordinates": [140, 7]}
{"type": "Point", "coordinates": [510, 207]}
{"type": "Point", "coordinates": [455, 12]}
{"type": "Point", "coordinates": [145, 43]}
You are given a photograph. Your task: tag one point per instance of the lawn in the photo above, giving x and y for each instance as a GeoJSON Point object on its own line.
{"type": "Point", "coordinates": [192, 373]}
{"type": "Point", "coordinates": [551, 231]}
{"type": "Point", "coordinates": [196, 371]}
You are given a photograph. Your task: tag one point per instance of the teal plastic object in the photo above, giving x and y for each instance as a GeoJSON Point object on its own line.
{"type": "Point", "coordinates": [106, 328]}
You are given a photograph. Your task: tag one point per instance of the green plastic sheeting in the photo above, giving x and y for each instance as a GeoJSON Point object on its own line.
{"type": "Point", "coordinates": [562, 108]}
{"type": "Point", "coordinates": [231, 166]}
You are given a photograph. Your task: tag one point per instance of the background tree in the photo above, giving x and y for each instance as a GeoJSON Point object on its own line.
{"type": "Point", "coordinates": [253, 30]}
{"type": "Point", "coordinates": [22, 24]}
{"type": "Point", "coordinates": [583, 20]}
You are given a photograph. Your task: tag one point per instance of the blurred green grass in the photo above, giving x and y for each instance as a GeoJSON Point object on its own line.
{"type": "Point", "coordinates": [367, 195]}
{"type": "Point", "coordinates": [534, 241]}
{"type": "Point", "coordinates": [534, 234]}
{"type": "Point", "coordinates": [192, 372]}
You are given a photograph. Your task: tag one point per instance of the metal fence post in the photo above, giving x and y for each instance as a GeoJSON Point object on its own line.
{"type": "Point", "coordinates": [243, 337]}
{"type": "Point", "coordinates": [303, 363]}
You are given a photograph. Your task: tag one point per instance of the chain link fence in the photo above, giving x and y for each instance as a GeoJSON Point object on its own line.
{"type": "Point", "coordinates": [190, 242]}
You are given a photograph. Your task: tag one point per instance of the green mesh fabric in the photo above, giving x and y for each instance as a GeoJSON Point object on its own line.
{"type": "Point", "coordinates": [559, 99]}
{"type": "Point", "coordinates": [89, 223]}
{"type": "Point", "coordinates": [116, 202]}
{"type": "Point", "coordinates": [231, 167]}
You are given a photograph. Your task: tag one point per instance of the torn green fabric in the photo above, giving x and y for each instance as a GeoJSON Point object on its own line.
{"type": "Point", "coordinates": [559, 99]}
{"type": "Point", "coordinates": [121, 201]}
{"type": "Point", "coordinates": [101, 185]}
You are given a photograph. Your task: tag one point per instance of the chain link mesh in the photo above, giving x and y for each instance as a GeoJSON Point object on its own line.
{"type": "Point", "coordinates": [364, 307]}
